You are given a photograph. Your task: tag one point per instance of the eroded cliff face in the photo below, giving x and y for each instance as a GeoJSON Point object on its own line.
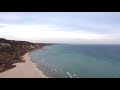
{"type": "Point", "coordinates": [11, 52]}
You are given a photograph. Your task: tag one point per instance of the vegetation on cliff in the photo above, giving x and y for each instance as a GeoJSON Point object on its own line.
{"type": "Point", "coordinates": [11, 52]}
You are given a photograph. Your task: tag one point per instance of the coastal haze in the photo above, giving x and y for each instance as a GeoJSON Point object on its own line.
{"type": "Point", "coordinates": [60, 44]}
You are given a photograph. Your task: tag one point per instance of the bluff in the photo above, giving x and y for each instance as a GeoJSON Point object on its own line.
{"type": "Point", "coordinates": [11, 52]}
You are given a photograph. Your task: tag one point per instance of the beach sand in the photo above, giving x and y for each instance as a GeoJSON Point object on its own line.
{"type": "Point", "coordinates": [26, 69]}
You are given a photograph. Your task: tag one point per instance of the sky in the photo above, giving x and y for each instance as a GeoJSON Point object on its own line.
{"type": "Point", "coordinates": [61, 27]}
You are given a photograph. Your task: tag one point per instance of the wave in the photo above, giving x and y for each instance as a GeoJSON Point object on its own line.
{"type": "Point", "coordinates": [69, 74]}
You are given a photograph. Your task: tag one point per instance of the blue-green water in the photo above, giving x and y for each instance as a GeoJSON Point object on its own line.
{"type": "Point", "coordinates": [79, 61]}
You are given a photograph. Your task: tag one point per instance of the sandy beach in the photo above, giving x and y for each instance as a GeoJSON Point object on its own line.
{"type": "Point", "coordinates": [26, 69]}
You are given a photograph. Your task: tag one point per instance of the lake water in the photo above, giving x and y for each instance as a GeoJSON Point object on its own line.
{"type": "Point", "coordinates": [79, 61]}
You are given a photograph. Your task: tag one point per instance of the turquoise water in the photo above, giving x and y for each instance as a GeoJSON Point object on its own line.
{"type": "Point", "coordinates": [79, 61]}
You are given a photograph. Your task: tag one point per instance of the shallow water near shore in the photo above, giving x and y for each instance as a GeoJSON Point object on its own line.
{"type": "Point", "coordinates": [79, 61]}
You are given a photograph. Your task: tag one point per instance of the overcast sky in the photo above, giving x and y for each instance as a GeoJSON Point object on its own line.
{"type": "Point", "coordinates": [61, 27]}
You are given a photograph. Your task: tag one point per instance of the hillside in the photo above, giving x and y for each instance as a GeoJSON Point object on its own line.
{"type": "Point", "coordinates": [11, 52]}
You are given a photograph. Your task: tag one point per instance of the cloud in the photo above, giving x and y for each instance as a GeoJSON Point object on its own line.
{"type": "Point", "coordinates": [89, 27]}
{"type": "Point", "coordinates": [9, 16]}
{"type": "Point", "coordinates": [46, 33]}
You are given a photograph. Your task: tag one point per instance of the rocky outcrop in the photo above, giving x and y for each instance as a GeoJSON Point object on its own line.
{"type": "Point", "coordinates": [11, 52]}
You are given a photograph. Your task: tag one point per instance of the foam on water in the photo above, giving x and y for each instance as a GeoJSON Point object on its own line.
{"type": "Point", "coordinates": [69, 74]}
{"type": "Point", "coordinates": [74, 75]}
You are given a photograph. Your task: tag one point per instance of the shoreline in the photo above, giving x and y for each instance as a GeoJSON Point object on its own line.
{"type": "Point", "coordinates": [26, 69]}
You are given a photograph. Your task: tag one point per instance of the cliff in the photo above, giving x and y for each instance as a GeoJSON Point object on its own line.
{"type": "Point", "coordinates": [11, 52]}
